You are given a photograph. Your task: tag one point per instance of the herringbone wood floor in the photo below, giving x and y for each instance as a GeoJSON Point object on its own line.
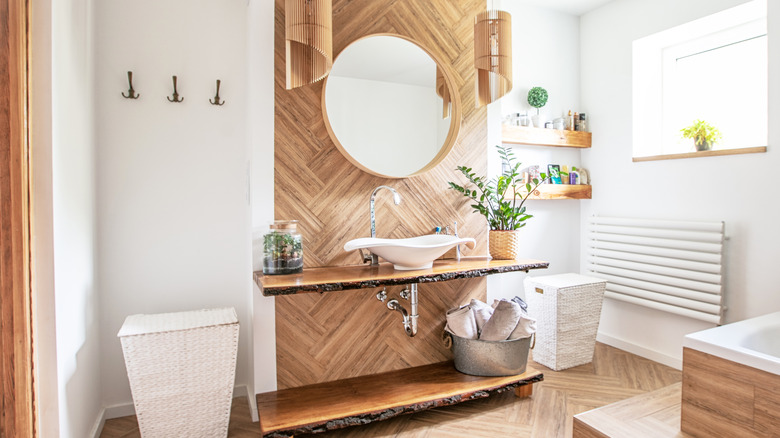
{"type": "Point", "coordinates": [614, 375]}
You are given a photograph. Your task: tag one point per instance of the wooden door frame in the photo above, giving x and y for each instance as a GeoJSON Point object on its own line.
{"type": "Point", "coordinates": [18, 407]}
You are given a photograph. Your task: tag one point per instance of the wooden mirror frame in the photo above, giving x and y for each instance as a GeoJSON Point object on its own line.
{"type": "Point", "coordinates": [455, 112]}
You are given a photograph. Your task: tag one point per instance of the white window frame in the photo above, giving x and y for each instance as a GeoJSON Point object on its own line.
{"type": "Point", "coordinates": [654, 59]}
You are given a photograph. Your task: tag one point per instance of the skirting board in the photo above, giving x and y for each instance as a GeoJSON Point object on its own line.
{"type": "Point", "coordinates": [640, 351]}
{"type": "Point", "coordinates": [127, 409]}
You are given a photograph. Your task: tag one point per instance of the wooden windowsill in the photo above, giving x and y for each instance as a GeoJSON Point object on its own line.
{"type": "Point", "coordinates": [715, 153]}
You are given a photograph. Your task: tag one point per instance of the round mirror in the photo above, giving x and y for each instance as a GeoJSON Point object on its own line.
{"type": "Point", "coordinates": [389, 107]}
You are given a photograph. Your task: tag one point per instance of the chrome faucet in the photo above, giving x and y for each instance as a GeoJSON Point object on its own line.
{"type": "Point", "coordinates": [447, 231]}
{"type": "Point", "coordinates": [397, 199]}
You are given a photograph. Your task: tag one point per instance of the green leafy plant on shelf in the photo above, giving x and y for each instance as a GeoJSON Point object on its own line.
{"type": "Point", "coordinates": [537, 98]}
{"type": "Point", "coordinates": [500, 199]}
{"type": "Point", "coordinates": [703, 134]}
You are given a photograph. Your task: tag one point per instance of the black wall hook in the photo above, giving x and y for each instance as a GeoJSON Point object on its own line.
{"type": "Point", "coordinates": [131, 94]}
{"type": "Point", "coordinates": [175, 93]}
{"type": "Point", "coordinates": [216, 100]}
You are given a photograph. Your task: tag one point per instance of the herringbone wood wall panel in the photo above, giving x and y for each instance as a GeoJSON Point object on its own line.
{"type": "Point", "coordinates": [345, 334]}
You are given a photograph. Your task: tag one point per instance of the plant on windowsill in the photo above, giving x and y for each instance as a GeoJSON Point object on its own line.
{"type": "Point", "coordinates": [703, 134]}
{"type": "Point", "coordinates": [501, 201]}
{"type": "Point", "coordinates": [537, 98]}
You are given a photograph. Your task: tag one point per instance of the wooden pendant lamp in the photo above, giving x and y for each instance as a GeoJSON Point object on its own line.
{"type": "Point", "coordinates": [493, 55]}
{"type": "Point", "coordinates": [308, 29]}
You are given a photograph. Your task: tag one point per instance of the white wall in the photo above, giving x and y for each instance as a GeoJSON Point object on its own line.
{"type": "Point", "coordinates": [545, 53]}
{"type": "Point", "coordinates": [260, 114]}
{"type": "Point", "coordinates": [77, 302]}
{"type": "Point", "coordinates": [735, 189]}
{"type": "Point", "coordinates": [173, 215]}
{"type": "Point", "coordinates": [43, 222]}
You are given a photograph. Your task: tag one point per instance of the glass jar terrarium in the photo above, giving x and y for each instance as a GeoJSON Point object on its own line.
{"type": "Point", "coordinates": [282, 249]}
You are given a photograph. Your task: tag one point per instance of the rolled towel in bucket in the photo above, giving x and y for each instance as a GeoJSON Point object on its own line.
{"type": "Point", "coordinates": [525, 327]}
{"type": "Point", "coordinates": [521, 303]}
{"type": "Point", "coordinates": [482, 313]}
{"type": "Point", "coordinates": [461, 322]}
{"type": "Point", "coordinates": [503, 322]}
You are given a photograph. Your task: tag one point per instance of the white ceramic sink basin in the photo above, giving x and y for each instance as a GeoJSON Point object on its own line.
{"type": "Point", "coordinates": [412, 253]}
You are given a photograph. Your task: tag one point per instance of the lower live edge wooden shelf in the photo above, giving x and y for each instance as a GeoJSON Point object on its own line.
{"type": "Point", "coordinates": [361, 400]}
{"type": "Point", "coordinates": [338, 278]}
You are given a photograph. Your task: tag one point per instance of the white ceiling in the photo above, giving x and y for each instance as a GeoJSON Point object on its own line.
{"type": "Point", "coordinates": [573, 7]}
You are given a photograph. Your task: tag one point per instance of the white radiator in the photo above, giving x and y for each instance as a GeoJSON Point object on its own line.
{"type": "Point", "coordinates": [673, 266]}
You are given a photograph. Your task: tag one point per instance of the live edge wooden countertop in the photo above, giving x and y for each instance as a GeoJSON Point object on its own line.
{"type": "Point", "coordinates": [336, 278]}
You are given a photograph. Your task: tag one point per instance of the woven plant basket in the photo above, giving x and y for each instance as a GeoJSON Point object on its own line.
{"type": "Point", "coordinates": [504, 244]}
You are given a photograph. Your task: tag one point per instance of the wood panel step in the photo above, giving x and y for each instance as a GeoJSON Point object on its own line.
{"type": "Point", "coordinates": [654, 414]}
{"type": "Point", "coordinates": [361, 400]}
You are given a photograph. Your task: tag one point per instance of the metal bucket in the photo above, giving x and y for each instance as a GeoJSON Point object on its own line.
{"type": "Point", "coordinates": [490, 358]}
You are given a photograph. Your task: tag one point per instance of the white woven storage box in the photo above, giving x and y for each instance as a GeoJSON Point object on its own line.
{"type": "Point", "coordinates": [181, 368]}
{"type": "Point", "coordinates": [567, 309]}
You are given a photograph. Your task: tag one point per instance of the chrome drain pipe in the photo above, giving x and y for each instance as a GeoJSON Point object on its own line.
{"type": "Point", "coordinates": [409, 318]}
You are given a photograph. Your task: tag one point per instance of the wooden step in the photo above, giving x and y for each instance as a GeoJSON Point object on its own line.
{"type": "Point", "coordinates": [654, 414]}
{"type": "Point", "coordinates": [361, 400]}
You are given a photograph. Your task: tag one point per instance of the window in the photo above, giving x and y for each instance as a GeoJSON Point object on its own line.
{"type": "Point", "coordinates": [714, 70]}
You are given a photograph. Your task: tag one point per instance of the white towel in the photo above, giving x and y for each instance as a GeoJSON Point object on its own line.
{"type": "Point", "coordinates": [521, 303]}
{"type": "Point", "coordinates": [503, 322]}
{"type": "Point", "coordinates": [525, 327]}
{"type": "Point", "coordinates": [482, 313]}
{"type": "Point", "coordinates": [461, 323]}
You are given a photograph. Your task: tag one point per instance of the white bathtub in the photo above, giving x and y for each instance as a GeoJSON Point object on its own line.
{"type": "Point", "coordinates": [753, 342]}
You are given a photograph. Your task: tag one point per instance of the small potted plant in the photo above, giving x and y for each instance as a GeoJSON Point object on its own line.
{"type": "Point", "coordinates": [282, 249]}
{"type": "Point", "coordinates": [537, 98]}
{"type": "Point", "coordinates": [501, 201]}
{"type": "Point", "coordinates": [703, 134]}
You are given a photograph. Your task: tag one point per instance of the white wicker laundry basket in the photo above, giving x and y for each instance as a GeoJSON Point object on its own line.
{"type": "Point", "coordinates": [181, 368]}
{"type": "Point", "coordinates": [567, 308]}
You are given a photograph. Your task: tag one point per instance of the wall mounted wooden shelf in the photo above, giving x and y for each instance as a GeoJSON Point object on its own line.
{"type": "Point", "coordinates": [329, 279]}
{"type": "Point", "coordinates": [545, 137]}
{"type": "Point", "coordinates": [361, 400]}
{"type": "Point", "coordinates": [562, 191]}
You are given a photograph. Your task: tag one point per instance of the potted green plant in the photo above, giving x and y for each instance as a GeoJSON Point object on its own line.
{"type": "Point", "coordinates": [703, 134]}
{"type": "Point", "coordinates": [537, 98]}
{"type": "Point", "coordinates": [502, 201]}
{"type": "Point", "coordinates": [282, 249]}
